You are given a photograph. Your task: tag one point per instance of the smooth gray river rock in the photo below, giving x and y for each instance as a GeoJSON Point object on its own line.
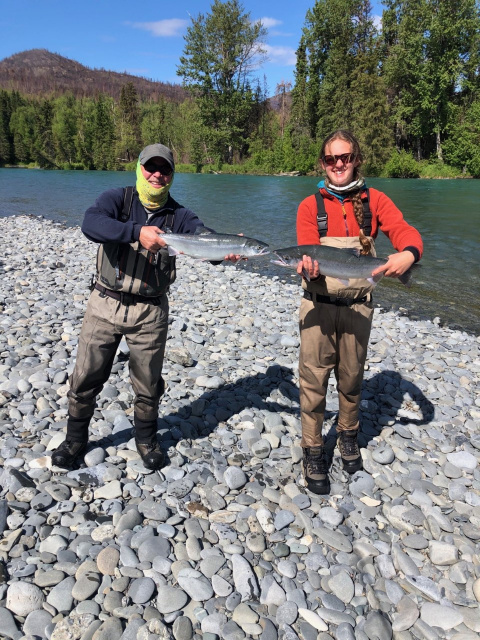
{"type": "Point", "coordinates": [8, 626]}
{"type": "Point", "coordinates": [437, 615]}
{"type": "Point", "coordinates": [377, 627]}
{"type": "Point", "coordinates": [170, 599]}
{"type": "Point", "coordinates": [244, 579]}
{"type": "Point", "coordinates": [23, 598]}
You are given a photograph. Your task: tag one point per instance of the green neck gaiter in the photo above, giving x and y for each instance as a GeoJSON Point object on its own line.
{"type": "Point", "coordinates": [150, 197]}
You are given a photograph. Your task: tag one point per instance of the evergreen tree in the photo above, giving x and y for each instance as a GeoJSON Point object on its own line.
{"type": "Point", "coordinates": [451, 28]}
{"type": "Point", "coordinates": [65, 130]}
{"type": "Point", "coordinates": [299, 119]}
{"type": "Point", "coordinates": [369, 111]}
{"type": "Point", "coordinates": [103, 134]}
{"type": "Point", "coordinates": [221, 50]}
{"type": "Point", "coordinates": [43, 147]}
{"type": "Point", "coordinates": [22, 127]}
{"type": "Point", "coordinates": [85, 136]}
{"type": "Point", "coordinates": [128, 131]}
{"type": "Point", "coordinates": [6, 139]}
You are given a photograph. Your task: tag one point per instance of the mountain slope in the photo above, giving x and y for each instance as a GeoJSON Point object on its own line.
{"type": "Point", "coordinates": [40, 72]}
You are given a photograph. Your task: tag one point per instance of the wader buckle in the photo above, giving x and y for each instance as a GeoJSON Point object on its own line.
{"type": "Point", "coordinates": [127, 298]}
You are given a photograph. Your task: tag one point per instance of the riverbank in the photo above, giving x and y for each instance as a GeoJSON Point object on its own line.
{"type": "Point", "coordinates": [426, 171]}
{"type": "Point", "coordinates": [225, 540]}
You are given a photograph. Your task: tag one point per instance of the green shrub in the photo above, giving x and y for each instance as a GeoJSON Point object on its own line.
{"type": "Point", "coordinates": [186, 168]}
{"type": "Point", "coordinates": [438, 170]}
{"type": "Point", "coordinates": [401, 165]}
{"type": "Point", "coordinates": [130, 166]}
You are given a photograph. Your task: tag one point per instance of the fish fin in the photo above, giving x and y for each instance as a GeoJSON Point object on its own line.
{"type": "Point", "coordinates": [354, 251]}
{"type": "Point", "coordinates": [374, 280]}
{"type": "Point", "coordinates": [306, 275]}
{"type": "Point", "coordinates": [200, 231]}
{"type": "Point", "coordinates": [173, 252]}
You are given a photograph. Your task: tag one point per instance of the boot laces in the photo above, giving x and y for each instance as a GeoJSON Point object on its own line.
{"type": "Point", "coordinates": [150, 447]}
{"type": "Point", "coordinates": [315, 461]}
{"type": "Point", "coordinates": [350, 445]}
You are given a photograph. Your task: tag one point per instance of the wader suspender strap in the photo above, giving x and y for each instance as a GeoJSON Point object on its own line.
{"type": "Point", "coordinates": [322, 218]}
{"type": "Point", "coordinates": [127, 203]}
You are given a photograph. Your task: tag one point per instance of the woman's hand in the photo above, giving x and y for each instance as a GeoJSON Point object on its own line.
{"type": "Point", "coordinates": [396, 264]}
{"type": "Point", "coordinates": [308, 267]}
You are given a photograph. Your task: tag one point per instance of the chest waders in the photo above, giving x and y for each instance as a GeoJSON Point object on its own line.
{"type": "Point", "coordinates": [128, 301]}
{"type": "Point", "coordinates": [130, 269]}
{"type": "Point", "coordinates": [335, 323]}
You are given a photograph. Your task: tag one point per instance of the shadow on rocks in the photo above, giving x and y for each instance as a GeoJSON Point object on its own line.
{"type": "Point", "coordinates": [267, 394]}
{"type": "Point", "coordinates": [387, 399]}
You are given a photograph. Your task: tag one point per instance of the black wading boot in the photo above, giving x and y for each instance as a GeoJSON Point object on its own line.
{"type": "Point", "coordinates": [151, 454]}
{"type": "Point", "coordinates": [315, 470]}
{"type": "Point", "coordinates": [349, 450]}
{"type": "Point", "coordinates": [66, 453]}
{"type": "Point", "coordinates": [147, 443]}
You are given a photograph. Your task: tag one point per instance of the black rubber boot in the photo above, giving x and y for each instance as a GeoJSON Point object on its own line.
{"type": "Point", "coordinates": [315, 470]}
{"type": "Point", "coordinates": [66, 453]}
{"type": "Point", "coordinates": [349, 450]}
{"type": "Point", "coordinates": [151, 454]}
{"type": "Point", "coordinates": [147, 444]}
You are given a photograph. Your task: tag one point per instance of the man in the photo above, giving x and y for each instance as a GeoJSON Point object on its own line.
{"type": "Point", "coordinates": [129, 298]}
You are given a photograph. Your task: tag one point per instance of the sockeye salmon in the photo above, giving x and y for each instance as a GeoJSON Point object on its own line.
{"type": "Point", "coordinates": [342, 264]}
{"type": "Point", "coordinates": [213, 246]}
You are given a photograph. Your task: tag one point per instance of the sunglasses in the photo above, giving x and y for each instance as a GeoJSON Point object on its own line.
{"type": "Point", "coordinates": [153, 167]}
{"type": "Point", "coordinates": [345, 158]}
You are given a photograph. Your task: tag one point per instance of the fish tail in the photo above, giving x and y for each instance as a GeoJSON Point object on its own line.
{"type": "Point", "coordinates": [406, 278]}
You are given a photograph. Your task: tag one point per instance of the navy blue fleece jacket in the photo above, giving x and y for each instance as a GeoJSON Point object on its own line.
{"type": "Point", "coordinates": [101, 223]}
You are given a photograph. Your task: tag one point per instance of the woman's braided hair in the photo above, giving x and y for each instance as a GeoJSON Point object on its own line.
{"type": "Point", "coordinates": [346, 136]}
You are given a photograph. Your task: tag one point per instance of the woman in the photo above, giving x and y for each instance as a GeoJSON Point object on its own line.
{"type": "Point", "coordinates": [336, 319]}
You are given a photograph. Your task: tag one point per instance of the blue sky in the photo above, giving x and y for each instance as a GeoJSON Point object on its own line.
{"type": "Point", "coordinates": [145, 38]}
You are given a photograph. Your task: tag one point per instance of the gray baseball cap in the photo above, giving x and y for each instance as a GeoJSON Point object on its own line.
{"type": "Point", "coordinates": [157, 151]}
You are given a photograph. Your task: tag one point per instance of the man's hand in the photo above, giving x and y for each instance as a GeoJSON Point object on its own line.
{"type": "Point", "coordinates": [232, 257]}
{"type": "Point", "coordinates": [308, 266]}
{"type": "Point", "coordinates": [396, 265]}
{"type": "Point", "coordinates": [150, 238]}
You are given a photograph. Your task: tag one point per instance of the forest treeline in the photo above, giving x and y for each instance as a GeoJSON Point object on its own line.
{"type": "Point", "coordinates": [409, 89]}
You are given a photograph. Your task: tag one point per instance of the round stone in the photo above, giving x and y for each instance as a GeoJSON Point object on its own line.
{"type": "Point", "coordinates": [153, 547]}
{"type": "Point", "coordinates": [107, 560]}
{"type": "Point", "coordinates": [437, 615]}
{"type": "Point", "coordinates": [23, 598]}
{"type": "Point", "coordinates": [235, 478]}
{"type": "Point", "coordinates": [342, 586]}
{"type": "Point", "coordinates": [141, 590]}
{"type": "Point", "coordinates": [170, 599]}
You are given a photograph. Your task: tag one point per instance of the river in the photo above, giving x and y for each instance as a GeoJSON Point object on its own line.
{"type": "Point", "coordinates": [446, 212]}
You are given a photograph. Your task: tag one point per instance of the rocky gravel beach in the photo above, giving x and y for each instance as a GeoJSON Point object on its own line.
{"type": "Point", "coordinates": [225, 542]}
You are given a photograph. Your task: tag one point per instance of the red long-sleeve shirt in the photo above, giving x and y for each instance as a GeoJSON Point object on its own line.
{"type": "Point", "coordinates": [342, 222]}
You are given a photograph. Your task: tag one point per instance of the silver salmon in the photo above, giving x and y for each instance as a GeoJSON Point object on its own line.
{"type": "Point", "coordinates": [342, 264]}
{"type": "Point", "coordinates": [213, 246]}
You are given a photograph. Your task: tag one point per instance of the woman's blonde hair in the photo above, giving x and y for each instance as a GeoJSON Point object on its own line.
{"type": "Point", "coordinates": [347, 136]}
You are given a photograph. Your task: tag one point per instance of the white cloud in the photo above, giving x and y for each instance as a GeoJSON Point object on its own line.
{"type": "Point", "coordinates": [269, 22]}
{"type": "Point", "coordinates": [163, 28]}
{"type": "Point", "coordinates": [377, 21]}
{"type": "Point", "coordinates": [281, 55]}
